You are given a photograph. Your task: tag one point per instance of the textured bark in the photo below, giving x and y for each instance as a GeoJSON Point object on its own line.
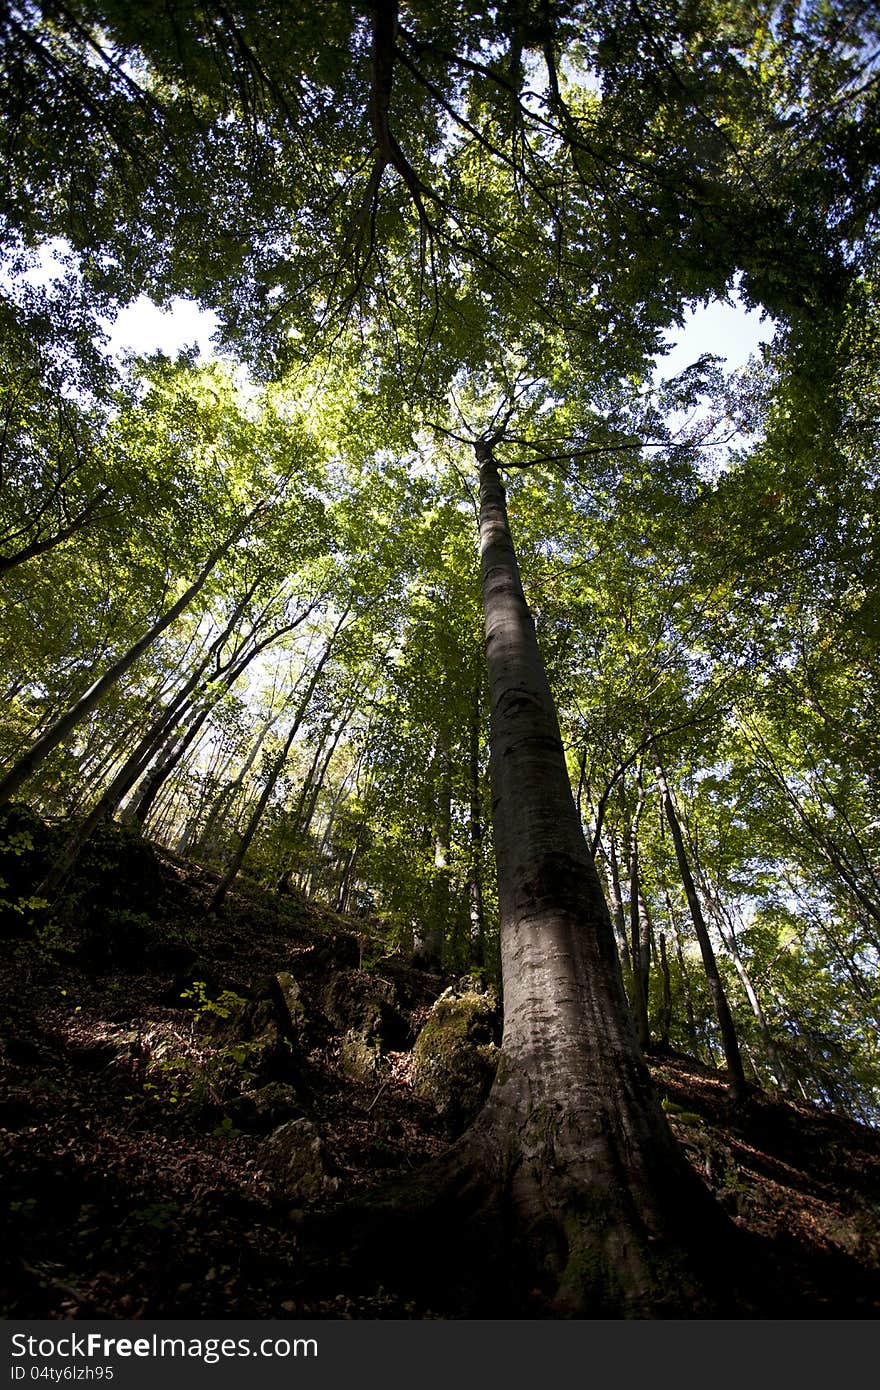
{"type": "Point", "coordinates": [604, 1203]}
{"type": "Point", "coordinates": [477, 948]}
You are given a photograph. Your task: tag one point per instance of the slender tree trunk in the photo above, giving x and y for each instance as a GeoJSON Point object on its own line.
{"type": "Point", "coordinates": [690, 1022]}
{"type": "Point", "coordinates": [256, 816]}
{"type": "Point", "coordinates": [666, 1005]}
{"type": "Point", "coordinates": [573, 1129]}
{"type": "Point", "coordinates": [61, 729]}
{"type": "Point", "coordinates": [726, 1027]}
{"type": "Point", "coordinates": [225, 798]}
{"type": "Point", "coordinates": [640, 933]}
{"type": "Point", "coordinates": [438, 933]}
{"type": "Point", "coordinates": [727, 933]}
{"type": "Point", "coordinates": [108, 803]}
{"type": "Point", "coordinates": [224, 679]}
{"type": "Point", "coordinates": [618, 917]}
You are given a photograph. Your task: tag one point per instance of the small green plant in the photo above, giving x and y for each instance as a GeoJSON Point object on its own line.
{"type": "Point", "coordinates": [224, 1006]}
{"type": "Point", "coordinates": [226, 1129]}
{"type": "Point", "coordinates": [159, 1215]}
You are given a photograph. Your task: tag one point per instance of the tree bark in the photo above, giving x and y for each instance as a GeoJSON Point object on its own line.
{"type": "Point", "coordinates": [573, 1127]}
{"type": "Point", "coordinates": [476, 911]}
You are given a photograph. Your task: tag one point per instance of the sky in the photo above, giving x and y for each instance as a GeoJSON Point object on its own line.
{"type": "Point", "coordinates": [730, 330]}
{"type": "Point", "coordinates": [727, 329]}
{"type": "Point", "coordinates": [143, 327]}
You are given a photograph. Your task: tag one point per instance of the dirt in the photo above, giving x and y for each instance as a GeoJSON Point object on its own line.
{"type": "Point", "coordinates": [147, 1056]}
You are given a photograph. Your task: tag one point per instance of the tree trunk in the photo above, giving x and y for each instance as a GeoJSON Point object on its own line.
{"type": "Point", "coordinates": [640, 934]}
{"type": "Point", "coordinates": [738, 1085]}
{"type": "Point", "coordinates": [256, 816]}
{"type": "Point", "coordinates": [21, 770]}
{"type": "Point", "coordinates": [476, 912]}
{"type": "Point", "coordinates": [604, 1203]}
{"type": "Point", "coordinates": [727, 932]}
{"type": "Point", "coordinates": [666, 1005]}
{"type": "Point", "coordinates": [690, 1022]}
{"type": "Point", "coordinates": [618, 918]}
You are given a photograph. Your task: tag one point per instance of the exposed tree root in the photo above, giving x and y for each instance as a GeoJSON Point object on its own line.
{"type": "Point", "coordinates": [511, 1222]}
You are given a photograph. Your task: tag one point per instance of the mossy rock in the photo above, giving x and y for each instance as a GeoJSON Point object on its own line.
{"type": "Point", "coordinates": [361, 1058]}
{"type": "Point", "coordinates": [356, 1001]}
{"type": "Point", "coordinates": [456, 1054]}
{"type": "Point", "coordinates": [296, 1163]}
{"type": "Point", "coordinates": [266, 1107]}
{"type": "Point", "coordinates": [291, 1002]}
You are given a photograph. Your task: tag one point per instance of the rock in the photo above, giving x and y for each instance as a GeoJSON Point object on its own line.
{"type": "Point", "coordinates": [456, 1053]}
{"type": "Point", "coordinates": [294, 1158]}
{"type": "Point", "coordinates": [266, 1107]}
{"type": "Point", "coordinates": [356, 1001]}
{"type": "Point", "coordinates": [247, 1032]}
{"type": "Point", "coordinates": [337, 952]}
{"type": "Point", "coordinates": [118, 874]}
{"type": "Point", "coordinates": [361, 1058]}
{"type": "Point", "coordinates": [293, 1011]}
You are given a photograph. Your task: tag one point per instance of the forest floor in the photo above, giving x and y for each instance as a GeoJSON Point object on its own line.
{"type": "Point", "coordinates": [149, 1057]}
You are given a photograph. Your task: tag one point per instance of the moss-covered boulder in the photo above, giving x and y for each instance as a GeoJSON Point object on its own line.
{"type": "Point", "coordinates": [266, 1107]}
{"type": "Point", "coordinates": [296, 1163]}
{"type": "Point", "coordinates": [360, 1002]}
{"type": "Point", "coordinates": [362, 1059]}
{"type": "Point", "coordinates": [292, 1005]}
{"type": "Point", "coordinates": [456, 1053]}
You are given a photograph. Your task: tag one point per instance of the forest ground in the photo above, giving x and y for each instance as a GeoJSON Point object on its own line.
{"type": "Point", "coordinates": [148, 1054]}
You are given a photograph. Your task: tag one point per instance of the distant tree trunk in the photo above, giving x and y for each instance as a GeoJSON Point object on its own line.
{"type": "Point", "coordinates": [573, 1130]}
{"type": "Point", "coordinates": [312, 881]}
{"type": "Point", "coordinates": [256, 816]}
{"type": "Point", "coordinates": [727, 932]}
{"type": "Point", "coordinates": [226, 796]}
{"type": "Point", "coordinates": [690, 1023]}
{"type": "Point", "coordinates": [223, 680]}
{"type": "Point", "coordinates": [618, 917]}
{"type": "Point", "coordinates": [738, 1085]}
{"type": "Point", "coordinates": [666, 1004]}
{"type": "Point", "coordinates": [640, 933]}
{"type": "Point", "coordinates": [346, 883]}
{"type": "Point", "coordinates": [434, 945]}
{"type": "Point", "coordinates": [108, 803]}
{"type": "Point", "coordinates": [27, 764]}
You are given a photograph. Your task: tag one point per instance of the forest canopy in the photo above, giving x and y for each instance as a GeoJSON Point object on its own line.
{"type": "Point", "coordinates": [446, 243]}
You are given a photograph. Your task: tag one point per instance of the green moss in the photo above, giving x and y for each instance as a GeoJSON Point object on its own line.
{"type": "Point", "coordinates": [455, 1055]}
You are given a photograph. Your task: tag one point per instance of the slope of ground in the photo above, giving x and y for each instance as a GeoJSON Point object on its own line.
{"type": "Point", "coordinates": [150, 1054]}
